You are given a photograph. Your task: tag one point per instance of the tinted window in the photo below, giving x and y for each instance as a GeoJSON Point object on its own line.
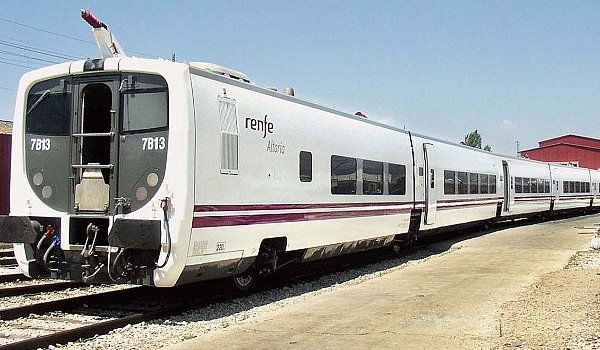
{"type": "Point", "coordinates": [462, 182]}
{"type": "Point", "coordinates": [518, 185]}
{"type": "Point", "coordinates": [144, 103]}
{"type": "Point", "coordinates": [396, 179]}
{"type": "Point", "coordinates": [305, 166]}
{"type": "Point", "coordinates": [533, 184]}
{"type": "Point", "coordinates": [526, 185]}
{"type": "Point", "coordinates": [483, 183]}
{"type": "Point", "coordinates": [492, 183]}
{"type": "Point", "coordinates": [546, 186]}
{"type": "Point", "coordinates": [49, 108]}
{"type": "Point", "coordinates": [449, 182]}
{"type": "Point", "coordinates": [473, 183]}
{"type": "Point", "coordinates": [372, 177]}
{"type": "Point", "coordinates": [343, 175]}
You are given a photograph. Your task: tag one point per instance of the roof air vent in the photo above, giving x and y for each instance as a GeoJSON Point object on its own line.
{"type": "Point", "coordinates": [215, 68]}
{"type": "Point", "coordinates": [288, 90]}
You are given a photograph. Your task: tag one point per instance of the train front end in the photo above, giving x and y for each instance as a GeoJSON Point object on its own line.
{"type": "Point", "coordinates": [99, 184]}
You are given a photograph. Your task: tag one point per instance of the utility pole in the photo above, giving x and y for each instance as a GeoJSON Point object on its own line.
{"type": "Point", "coordinates": [517, 143]}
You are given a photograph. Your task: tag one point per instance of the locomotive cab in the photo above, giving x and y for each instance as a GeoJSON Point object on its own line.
{"type": "Point", "coordinates": [95, 153]}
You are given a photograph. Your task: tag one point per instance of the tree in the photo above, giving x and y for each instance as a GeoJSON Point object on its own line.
{"type": "Point", "coordinates": [473, 139]}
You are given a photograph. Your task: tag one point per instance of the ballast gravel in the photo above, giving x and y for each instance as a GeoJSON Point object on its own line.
{"type": "Point", "coordinates": [577, 308]}
{"type": "Point", "coordinates": [194, 323]}
{"type": "Point", "coordinates": [20, 300]}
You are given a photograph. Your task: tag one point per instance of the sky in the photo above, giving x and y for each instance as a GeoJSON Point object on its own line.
{"type": "Point", "coordinates": [516, 71]}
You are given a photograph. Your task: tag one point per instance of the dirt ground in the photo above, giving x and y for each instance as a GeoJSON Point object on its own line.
{"type": "Point", "coordinates": [559, 311]}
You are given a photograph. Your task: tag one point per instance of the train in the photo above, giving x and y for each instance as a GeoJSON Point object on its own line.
{"type": "Point", "coordinates": [162, 173]}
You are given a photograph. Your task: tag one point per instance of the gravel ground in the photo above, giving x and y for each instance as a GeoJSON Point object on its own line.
{"type": "Point", "coordinates": [559, 311]}
{"type": "Point", "coordinates": [19, 300]}
{"type": "Point", "coordinates": [156, 334]}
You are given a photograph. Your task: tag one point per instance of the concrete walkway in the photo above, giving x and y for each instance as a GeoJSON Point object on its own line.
{"type": "Point", "coordinates": [449, 302]}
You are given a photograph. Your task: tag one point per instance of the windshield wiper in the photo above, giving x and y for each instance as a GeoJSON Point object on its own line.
{"type": "Point", "coordinates": [39, 100]}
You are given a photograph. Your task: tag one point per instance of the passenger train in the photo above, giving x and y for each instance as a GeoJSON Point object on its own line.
{"type": "Point", "coordinates": [153, 172]}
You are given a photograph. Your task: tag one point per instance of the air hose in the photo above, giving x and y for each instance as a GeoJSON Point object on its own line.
{"type": "Point", "coordinates": [165, 205]}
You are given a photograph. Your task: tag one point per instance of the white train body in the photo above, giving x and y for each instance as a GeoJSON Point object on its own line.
{"type": "Point", "coordinates": [192, 175]}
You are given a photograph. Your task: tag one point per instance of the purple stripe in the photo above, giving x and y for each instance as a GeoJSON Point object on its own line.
{"type": "Point", "coordinates": [584, 196]}
{"type": "Point", "coordinates": [249, 207]}
{"type": "Point", "coordinates": [466, 205]}
{"type": "Point", "coordinates": [548, 196]}
{"type": "Point", "coordinates": [489, 200]}
{"type": "Point", "coordinates": [237, 220]}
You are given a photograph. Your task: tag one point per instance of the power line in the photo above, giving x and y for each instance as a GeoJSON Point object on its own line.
{"type": "Point", "coordinates": [42, 52]}
{"type": "Point", "coordinates": [18, 41]}
{"type": "Point", "coordinates": [47, 31]}
{"type": "Point", "coordinates": [65, 36]}
{"type": "Point", "coordinates": [5, 88]}
{"type": "Point", "coordinates": [16, 65]}
{"type": "Point", "coordinates": [26, 56]}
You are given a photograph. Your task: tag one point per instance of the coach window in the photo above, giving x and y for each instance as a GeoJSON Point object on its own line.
{"type": "Point", "coordinates": [587, 187]}
{"type": "Point", "coordinates": [462, 182]}
{"type": "Point", "coordinates": [305, 166]}
{"type": "Point", "coordinates": [526, 185]}
{"type": "Point", "coordinates": [492, 184]}
{"type": "Point", "coordinates": [533, 184]}
{"type": "Point", "coordinates": [518, 185]}
{"type": "Point", "coordinates": [449, 182]}
{"type": "Point", "coordinates": [483, 183]}
{"type": "Point", "coordinates": [577, 187]}
{"type": "Point", "coordinates": [473, 183]}
{"type": "Point", "coordinates": [541, 187]}
{"type": "Point", "coordinates": [372, 177]}
{"type": "Point", "coordinates": [396, 179]}
{"type": "Point", "coordinates": [343, 175]}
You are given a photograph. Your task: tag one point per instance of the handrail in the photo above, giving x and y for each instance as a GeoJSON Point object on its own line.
{"type": "Point", "coordinates": [95, 134]}
{"type": "Point", "coordinates": [93, 166]}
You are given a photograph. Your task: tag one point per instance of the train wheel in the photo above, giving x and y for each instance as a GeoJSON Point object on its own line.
{"type": "Point", "coordinates": [244, 282]}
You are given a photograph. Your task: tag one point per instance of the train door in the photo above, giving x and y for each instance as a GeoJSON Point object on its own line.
{"type": "Point", "coordinates": [430, 187]}
{"type": "Point", "coordinates": [554, 187]}
{"type": "Point", "coordinates": [94, 150]}
{"type": "Point", "coordinates": [509, 196]}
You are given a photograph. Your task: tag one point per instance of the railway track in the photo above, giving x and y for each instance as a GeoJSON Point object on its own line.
{"type": "Point", "coordinates": [68, 320]}
{"type": "Point", "coordinates": [12, 277]}
{"type": "Point", "coordinates": [52, 286]}
{"type": "Point", "coordinates": [7, 257]}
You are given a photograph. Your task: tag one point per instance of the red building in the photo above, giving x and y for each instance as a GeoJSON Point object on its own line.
{"type": "Point", "coordinates": [580, 150]}
{"type": "Point", "coordinates": [4, 172]}
{"type": "Point", "coordinates": [5, 137]}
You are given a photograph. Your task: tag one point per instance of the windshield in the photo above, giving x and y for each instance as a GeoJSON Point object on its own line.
{"type": "Point", "coordinates": [145, 103]}
{"type": "Point", "coordinates": [49, 108]}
